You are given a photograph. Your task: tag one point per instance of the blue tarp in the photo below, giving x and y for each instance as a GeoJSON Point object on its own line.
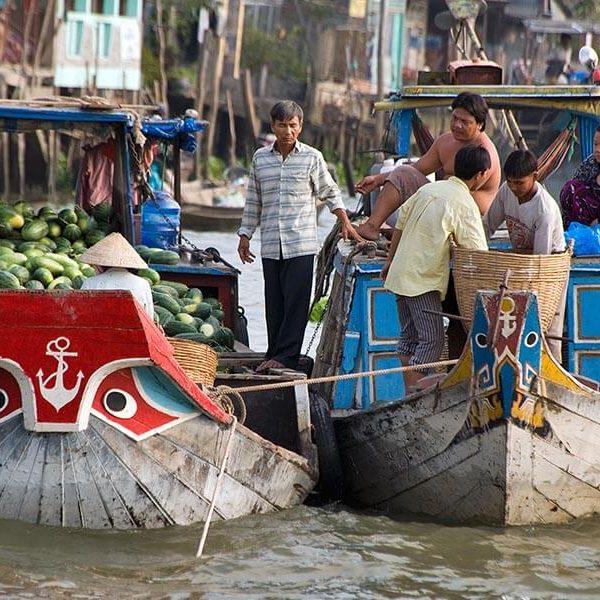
{"type": "Point", "coordinates": [170, 129]}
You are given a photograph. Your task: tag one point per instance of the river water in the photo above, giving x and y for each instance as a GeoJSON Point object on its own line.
{"type": "Point", "coordinates": [307, 552]}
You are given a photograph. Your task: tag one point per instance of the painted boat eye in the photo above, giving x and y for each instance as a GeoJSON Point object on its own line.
{"type": "Point", "coordinates": [481, 340]}
{"type": "Point", "coordinates": [3, 400]}
{"type": "Point", "coordinates": [120, 404]}
{"type": "Point", "coordinates": [531, 339]}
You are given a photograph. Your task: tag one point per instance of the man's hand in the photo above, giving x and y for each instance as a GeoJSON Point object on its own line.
{"type": "Point", "coordinates": [368, 184]}
{"type": "Point", "coordinates": [244, 250]}
{"type": "Point", "coordinates": [348, 231]}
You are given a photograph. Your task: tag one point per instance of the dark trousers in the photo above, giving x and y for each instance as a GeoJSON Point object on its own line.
{"type": "Point", "coordinates": [288, 285]}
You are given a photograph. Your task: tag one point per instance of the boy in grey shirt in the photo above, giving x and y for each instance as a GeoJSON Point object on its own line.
{"type": "Point", "coordinates": [533, 221]}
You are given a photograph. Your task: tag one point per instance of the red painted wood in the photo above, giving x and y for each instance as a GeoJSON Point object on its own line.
{"type": "Point", "coordinates": [145, 419]}
{"type": "Point", "coordinates": [93, 328]}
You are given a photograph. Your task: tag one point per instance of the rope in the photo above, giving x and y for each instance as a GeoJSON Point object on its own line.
{"type": "Point", "coordinates": [344, 377]}
{"type": "Point", "coordinates": [213, 501]}
{"type": "Point", "coordinates": [229, 399]}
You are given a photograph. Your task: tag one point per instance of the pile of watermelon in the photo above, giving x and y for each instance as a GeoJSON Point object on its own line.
{"type": "Point", "coordinates": [184, 312]}
{"type": "Point", "coordinates": [40, 251]}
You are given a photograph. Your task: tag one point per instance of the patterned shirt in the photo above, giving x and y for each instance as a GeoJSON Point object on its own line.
{"type": "Point", "coordinates": [281, 197]}
{"type": "Point", "coordinates": [588, 170]}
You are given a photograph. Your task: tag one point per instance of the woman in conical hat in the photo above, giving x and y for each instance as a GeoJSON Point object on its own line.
{"type": "Point", "coordinates": [113, 256]}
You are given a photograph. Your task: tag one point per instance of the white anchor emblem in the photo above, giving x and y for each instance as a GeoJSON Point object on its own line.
{"type": "Point", "coordinates": [58, 395]}
{"type": "Point", "coordinates": [509, 321]}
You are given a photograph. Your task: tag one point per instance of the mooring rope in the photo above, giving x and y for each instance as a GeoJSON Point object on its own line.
{"type": "Point", "coordinates": [345, 376]}
{"type": "Point", "coordinates": [213, 501]}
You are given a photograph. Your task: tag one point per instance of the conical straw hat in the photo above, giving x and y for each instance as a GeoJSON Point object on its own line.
{"type": "Point", "coordinates": [113, 251]}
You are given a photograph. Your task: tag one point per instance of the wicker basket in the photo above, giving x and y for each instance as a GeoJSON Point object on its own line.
{"type": "Point", "coordinates": [545, 274]}
{"type": "Point", "coordinates": [199, 361]}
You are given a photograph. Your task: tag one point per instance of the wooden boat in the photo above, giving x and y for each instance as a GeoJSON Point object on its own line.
{"type": "Point", "coordinates": [508, 436]}
{"type": "Point", "coordinates": [214, 208]}
{"type": "Point", "coordinates": [101, 428]}
{"type": "Point", "coordinates": [99, 425]}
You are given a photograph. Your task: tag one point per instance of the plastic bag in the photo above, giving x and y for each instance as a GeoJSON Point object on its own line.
{"type": "Point", "coordinates": [318, 309]}
{"type": "Point", "coordinates": [586, 239]}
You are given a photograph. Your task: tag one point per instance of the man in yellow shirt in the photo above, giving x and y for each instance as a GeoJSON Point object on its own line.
{"type": "Point", "coordinates": [418, 265]}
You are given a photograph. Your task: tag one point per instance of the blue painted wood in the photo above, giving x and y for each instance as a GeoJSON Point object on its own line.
{"type": "Point", "coordinates": [582, 323]}
{"type": "Point", "coordinates": [345, 390]}
{"type": "Point", "coordinates": [370, 342]}
{"type": "Point", "coordinates": [402, 123]}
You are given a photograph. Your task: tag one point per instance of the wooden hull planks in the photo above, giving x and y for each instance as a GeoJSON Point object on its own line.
{"type": "Point", "coordinates": [507, 437]}
{"type": "Point", "coordinates": [114, 434]}
{"type": "Point", "coordinates": [99, 478]}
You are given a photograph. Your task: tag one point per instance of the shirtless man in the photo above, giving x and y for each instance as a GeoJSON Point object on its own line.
{"type": "Point", "coordinates": [467, 124]}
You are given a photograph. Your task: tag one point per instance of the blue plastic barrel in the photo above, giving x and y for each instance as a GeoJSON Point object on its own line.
{"type": "Point", "coordinates": [160, 221]}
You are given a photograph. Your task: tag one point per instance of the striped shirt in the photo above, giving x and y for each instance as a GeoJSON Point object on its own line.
{"type": "Point", "coordinates": [281, 197]}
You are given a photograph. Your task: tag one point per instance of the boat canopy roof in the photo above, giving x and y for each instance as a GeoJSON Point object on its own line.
{"type": "Point", "coordinates": [579, 99]}
{"type": "Point", "coordinates": [22, 118]}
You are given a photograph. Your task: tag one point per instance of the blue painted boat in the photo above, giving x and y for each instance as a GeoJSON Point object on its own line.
{"type": "Point", "coordinates": [428, 453]}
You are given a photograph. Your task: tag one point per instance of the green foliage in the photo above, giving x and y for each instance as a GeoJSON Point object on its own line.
{"type": "Point", "coordinates": [281, 53]}
{"type": "Point", "coordinates": [587, 9]}
{"type": "Point", "coordinates": [216, 168]}
{"type": "Point", "coordinates": [65, 177]}
{"type": "Point", "coordinates": [150, 66]}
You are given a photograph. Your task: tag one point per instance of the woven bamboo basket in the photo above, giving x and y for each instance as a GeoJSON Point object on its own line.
{"type": "Point", "coordinates": [476, 270]}
{"type": "Point", "coordinates": [199, 361]}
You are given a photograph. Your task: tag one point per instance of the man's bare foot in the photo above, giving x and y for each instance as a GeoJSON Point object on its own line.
{"type": "Point", "coordinates": [368, 231]}
{"type": "Point", "coordinates": [269, 364]}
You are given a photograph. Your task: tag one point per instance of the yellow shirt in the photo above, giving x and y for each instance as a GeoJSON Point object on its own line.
{"type": "Point", "coordinates": [427, 220]}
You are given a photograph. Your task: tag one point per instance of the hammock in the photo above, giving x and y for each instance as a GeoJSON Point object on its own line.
{"type": "Point", "coordinates": [559, 149]}
{"type": "Point", "coordinates": [548, 162]}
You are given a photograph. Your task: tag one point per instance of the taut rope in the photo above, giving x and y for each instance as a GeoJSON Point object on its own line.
{"type": "Point", "coordinates": [316, 380]}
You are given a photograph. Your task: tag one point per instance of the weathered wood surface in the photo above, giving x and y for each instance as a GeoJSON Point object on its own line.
{"type": "Point", "coordinates": [112, 433]}
{"type": "Point", "coordinates": [100, 478]}
{"type": "Point", "coordinates": [497, 441]}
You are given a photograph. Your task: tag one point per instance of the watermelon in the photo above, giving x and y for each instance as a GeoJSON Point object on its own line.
{"type": "Point", "coordinates": [164, 257]}
{"type": "Point", "coordinates": [24, 208]}
{"type": "Point", "coordinates": [35, 230]}
{"type": "Point", "coordinates": [8, 281]}
{"type": "Point", "coordinates": [11, 217]}
{"type": "Point", "coordinates": [54, 229]}
{"type": "Point", "coordinates": [34, 284]}
{"type": "Point", "coordinates": [101, 212]}
{"type": "Point", "coordinates": [71, 232]}
{"type": "Point", "coordinates": [195, 295]}
{"type": "Point", "coordinates": [187, 319]}
{"type": "Point", "coordinates": [180, 288]}
{"type": "Point", "coordinates": [59, 282]}
{"type": "Point", "coordinates": [150, 274]}
{"type": "Point", "coordinates": [20, 272]}
{"type": "Point", "coordinates": [47, 263]}
{"type": "Point", "coordinates": [67, 216]}
{"type": "Point", "coordinates": [174, 327]}
{"type": "Point", "coordinates": [93, 236]}
{"type": "Point", "coordinates": [43, 275]}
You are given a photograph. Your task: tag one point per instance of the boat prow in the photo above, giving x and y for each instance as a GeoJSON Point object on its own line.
{"type": "Point", "coordinates": [101, 428]}
{"type": "Point", "coordinates": [507, 437]}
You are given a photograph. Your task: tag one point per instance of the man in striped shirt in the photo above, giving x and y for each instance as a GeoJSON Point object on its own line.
{"type": "Point", "coordinates": [286, 179]}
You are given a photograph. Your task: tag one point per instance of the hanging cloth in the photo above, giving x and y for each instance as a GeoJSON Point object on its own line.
{"type": "Point", "coordinates": [559, 149]}
{"type": "Point", "coordinates": [95, 179]}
